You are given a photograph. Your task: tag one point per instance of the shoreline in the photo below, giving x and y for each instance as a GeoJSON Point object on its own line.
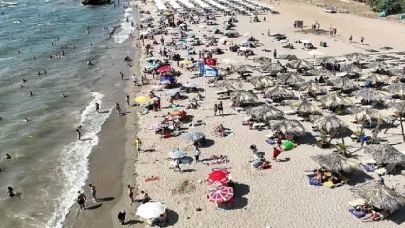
{"type": "Point", "coordinates": [110, 161]}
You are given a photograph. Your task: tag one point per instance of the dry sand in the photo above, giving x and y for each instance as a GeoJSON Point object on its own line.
{"type": "Point", "coordinates": [279, 197]}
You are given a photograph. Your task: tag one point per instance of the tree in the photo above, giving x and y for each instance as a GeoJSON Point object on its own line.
{"type": "Point", "coordinates": [391, 6]}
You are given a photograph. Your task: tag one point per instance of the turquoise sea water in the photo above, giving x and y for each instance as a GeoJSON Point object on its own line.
{"type": "Point", "coordinates": [49, 164]}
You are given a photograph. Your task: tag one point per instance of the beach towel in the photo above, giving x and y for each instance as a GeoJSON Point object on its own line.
{"type": "Point", "coordinates": [314, 182]}
{"type": "Point", "coordinates": [356, 213]}
{"type": "Point", "coordinates": [309, 173]}
{"type": "Point", "coordinates": [369, 167]}
{"type": "Point", "coordinates": [152, 178]}
{"type": "Point", "coordinates": [270, 141]}
{"type": "Point", "coordinates": [244, 123]}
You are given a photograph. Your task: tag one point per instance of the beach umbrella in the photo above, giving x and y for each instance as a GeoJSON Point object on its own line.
{"type": "Point", "coordinates": [244, 69]}
{"type": "Point", "coordinates": [191, 85]}
{"type": "Point", "coordinates": [194, 136]}
{"type": "Point", "coordinates": [220, 194]}
{"type": "Point", "coordinates": [399, 106]}
{"type": "Point", "coordinates": [262, 82]}
{"type": "Point", "coordinates": [361, 114]}
{"type": "Point", "coordinates": [336, 163]}
{"type": "Point", "coordinates": [229, 84]}
{"type": "Point", "coordinates": [342, 83]}
{"type": "Point", "coordinates": [289, 57]}
{"type": "Point", "coordinates": [265, 113]}
{"type": "Point", "coordinates": [298, 64]}
{"type": "Point", "coordinates": [177, 154]}
{"type": "Point", "coordinates": [262, 60]}
{"type": "Point", "coordinates": [164, 69]}
{"type": "Point", "coordinates": [278, 91]}
{"type": "Point", "coordinates": [369, 94]}
{"type": "Point", "coordinates": [244, 97]}
{"type": "Point", "coordinates": [385, 154]}
{"type": "Point", "coordinates": [377, 194]}
{"type": "Point", "coordinates": [311, 87]}
{"type": "Point", "coordinates": [167, 80]}
{"type": "Point", "coordinates": [185, 62]}
{"type": "Point", "coordinates": [219, 177]}
{"type": "Point", "coordinates": [355, 56]}
{"type": "Point", "coordinates": [333, 100]}
{"type": "Point", "coordinates": [272, 68]}
{"type": "Point", "coordinates": [376, 77]}
{"type": "Point", "coordinates": [293, 127]}
{"type": "Point", "coordinates": [151, 210]}
{"type": "Point", "coordinates": [351, 68]}
{"type": "Point", "coordinates": [329, 123]}
{"type": "Point", "coordinates": [396, 88]}
{"type": "Point", "coordinates": [305, 107]}
{"type": "Point", "coordinates": [290, 78]}
{"type": "Point", "coordinates": [142, 99]}
{"type": "Point", "coordinates": [328, 59]}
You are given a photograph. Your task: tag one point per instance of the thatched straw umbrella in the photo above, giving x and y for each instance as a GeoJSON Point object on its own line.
{"type": "Point", "coordinates": [293, 127]}
{"type": "Point", "coordinates": [306, 108]}
{"type": "Point", "coordinates": [329, 124]}
{"type": "Point", "coordinates": [327, 59]}
{"type": "Point", "coordinates": [342, 83]}
{"type": "Point", "coordinates": [265, 113]}
{"type": "Point", "coordinates": [298, 64]}
{"type": "Point", "coordinates": [396, 88]}
{"type": "Point", "coordinates": [244, 69]}
{"type": "Point", "coordinates": [290, 78]}
{"type": "Point", "coordinates": [380, 196]}
{"type": "Point", "coordinates": [361, 114]}
{"type": "Point", "coordinates": [355, 56]}
{"type": "Point", "coordinates": [241, 98]}
{"type": "Point", "coordinates": [312, 87]}
{"type": "Point", "coordinates": [336, 163]}
{"type": "Point", "coordinates": [262, 82]}
{"type": "Point", "coordinates": [262, 60]}
{"type": "Point", "coordinates": [376, 78]}
{"type": "Point", "coordinates": [272, 68]}
{"type": "Point", "coordinates": [334, 100]}
{"type": "Point", "coordinates": [278, 91]}
{"type": "Point", "coordinates": [230, 84]}
{"type": "Point", "coordinates": [385, 154]}
{"type": "Point", "coordinates": [352, 69]}
{"type": "Point", "coordinates": [369, 95]}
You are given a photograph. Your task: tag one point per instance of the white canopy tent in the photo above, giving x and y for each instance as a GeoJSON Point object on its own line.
{"type": "Point", "coordinates": [187, 4]}
{"type": "Point", "coordinates": [160, 5]}
{"type": "Point", "coordinates": [201, 4]}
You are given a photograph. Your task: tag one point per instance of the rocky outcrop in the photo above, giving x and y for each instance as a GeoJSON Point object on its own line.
{"type": "Point", "coordinates": [96, 2]}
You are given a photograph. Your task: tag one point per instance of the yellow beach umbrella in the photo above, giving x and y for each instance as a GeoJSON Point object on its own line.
{"type": "Point", "coordinates": [185, 62]}
{"type": "Point", "coordinates": [142, 99]}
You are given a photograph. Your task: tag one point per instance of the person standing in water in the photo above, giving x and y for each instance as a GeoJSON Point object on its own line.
{"type": "Point", "coordinates": [97, 107]}
{"type": "Point", "coordinates": [10, 192]}
{"type": "Point", "coordinates": [81, 200]}
{"type": "Point", "coordinates": [127, 100]}
{"type": "Point", "coordinates": [79, 135]}
{"type": "Point", "coordinates": [93, 192]}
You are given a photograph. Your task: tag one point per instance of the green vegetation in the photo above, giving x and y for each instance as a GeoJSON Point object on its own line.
{"type": "Point", "coordinates": [391, 6]}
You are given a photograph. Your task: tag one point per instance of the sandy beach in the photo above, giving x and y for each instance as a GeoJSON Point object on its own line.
{"type": "Point", "coordinates": [276, 197]}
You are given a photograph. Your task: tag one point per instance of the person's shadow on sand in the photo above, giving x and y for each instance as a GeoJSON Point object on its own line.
{"type": "Point", "coordinates": [132, 222]}
{"type": "Point", "coordinates": [94, 206]}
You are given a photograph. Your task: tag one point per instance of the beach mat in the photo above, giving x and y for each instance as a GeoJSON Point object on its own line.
{"type": "Point", "coordinates": [356, 213]}
{"type": "Point", "coordinates": [314, 182]}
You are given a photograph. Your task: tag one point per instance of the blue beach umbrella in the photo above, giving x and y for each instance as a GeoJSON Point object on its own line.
{"type": "Point", "coordinates": [167, 80]}
{"type": "Point", "coordinates": [177, 154]}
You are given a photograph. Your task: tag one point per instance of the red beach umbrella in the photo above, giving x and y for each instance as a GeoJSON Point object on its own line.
{"type": "Point", "coordinates": [221, 177]}
{"type": "Point", "coordinates": [220, 194]}
{"type": "Point", "coordinates": [164, 69]}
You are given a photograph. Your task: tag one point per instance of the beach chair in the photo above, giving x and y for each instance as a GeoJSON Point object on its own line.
{"type": "Point", "coordinates": [381, 171]}
{"type": "Point", "coordinates": [330, 184]}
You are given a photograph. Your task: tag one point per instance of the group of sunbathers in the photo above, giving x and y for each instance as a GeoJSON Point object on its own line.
{"type": "Point", "coordinates": [372, 213]}
{"type": "Point", "coordinates": [216, 160]}
{"type": "Point", "coordinates": [322, 175]}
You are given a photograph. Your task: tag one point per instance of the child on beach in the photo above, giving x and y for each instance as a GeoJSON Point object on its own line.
{"type": "Point", "coordinates": [93, 192]}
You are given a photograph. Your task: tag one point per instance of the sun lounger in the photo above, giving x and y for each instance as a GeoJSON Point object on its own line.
{"type": "Point", "coordinates": [356, 213]}
{"type": "Point", "coordinates": [357, 202]}
{"type": "Point", "coordinates": [290, 112]}
{"type": "Point", "coordinates": [258, 125]}
{"type": "Point", "coordinates": [222, 97]}
{"type": "Point", "coordinates": [314, 182]}
{"type": "Point", "coordinates": [330, 184]}
{"type": "Point", "coordinates": [268, 136]}
{"type": "Point", "coordinates": [369, 167]}
{"type": "Point", "coordinates": [238, 109]}
{"type": "Point", "coordinates": [221, 92]}
{"type": "Point", "coordinates": [381, 171]}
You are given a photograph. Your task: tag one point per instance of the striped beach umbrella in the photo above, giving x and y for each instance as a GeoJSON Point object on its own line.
{"type": "Point", "coordinates": [194, 136]}
{"type": "Point", "coordinates": [220, 194]}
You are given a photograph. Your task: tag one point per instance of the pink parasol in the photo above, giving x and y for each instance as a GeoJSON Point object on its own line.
{"type": "Point", "coordinates": [164, 69]}
{"type": "Point", "coordinates": [220, 194]}
{"type": "Point", "coordinates": [221, 177]}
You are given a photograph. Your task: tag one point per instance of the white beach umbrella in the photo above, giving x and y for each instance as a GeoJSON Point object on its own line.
{"type": "Point", "coordinates": [151, 210]}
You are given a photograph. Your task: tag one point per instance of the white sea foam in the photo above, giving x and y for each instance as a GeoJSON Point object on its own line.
{"type": "Point", "coordinates": [126, 27]}
{"type": "Point", "coordinates": [75, 160]}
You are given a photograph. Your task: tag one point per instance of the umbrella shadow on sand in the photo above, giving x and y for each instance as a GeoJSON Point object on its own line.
{"type": "Point", "coordinates": [359, 177]}
{"type": "Point", "coordinates": [173, 217]}
{"type": "Point", "coordinates": [398, 216]}
{"type": "Point", "coordinates": [241, 189]}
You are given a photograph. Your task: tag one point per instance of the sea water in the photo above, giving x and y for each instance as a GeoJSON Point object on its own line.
{"type": "Point", "coordinates": [50, 165]}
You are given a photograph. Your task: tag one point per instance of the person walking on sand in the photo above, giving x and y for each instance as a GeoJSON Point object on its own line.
{"type": "Point", "coordinates": [118, 108]}
{"type": "Point", "coordinates": [350, 38]}
{"type": "Point", "coordinates": [121, 217]}
{"type": "Point", "coordinates": [81, 200]}
{"type": "Point", "coordinates": [127, 99]}
{"type": "Point", "coordinates": [134, 79]}
{"type": "Point", "coordinates": [361, 40]}
{"type": "Point", "coordinates": [221, 109]}
{"type": "Point", "coordinates": [197, 153]}
{"type": "Point", "coordinates": [176, 165]}
{"type": "Point", "coordinates": [93, 192]}
{"type": "Point", "coordinates": [276, 152]}
{"type": "Point", "coordinates": [10, 192]}
{"type": "Point", "coordinates": [138, 144]}
{"type": "Point", "coordinates": [130, 190]}
{"type": "Point", "coordinates": [79, 135]}
{"type": "Point", "coordinates": [215, 109]}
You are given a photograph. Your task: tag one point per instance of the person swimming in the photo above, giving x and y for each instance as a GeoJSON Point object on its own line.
{"type": "Point", "coordinates": [10, 192]}
{"type": "Point", "coordinates": [31, 94]}
{"type": "Point", "coordinates": [89, 63]}
{"type": "Point", "coordinates": [64, 95]}
{"type": "Point", "coordinates": [24, 80]}
{"type": "Point", "coordinates": [26, 119]}
{"type": "Point", "coordinates": [8, 157]}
